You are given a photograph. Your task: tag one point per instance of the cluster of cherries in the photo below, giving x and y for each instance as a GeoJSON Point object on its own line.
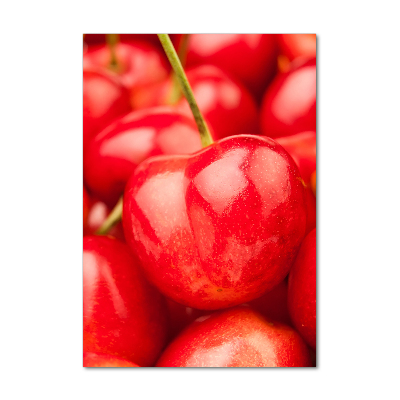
{"type": "Point", "coordinates": [199, 250]}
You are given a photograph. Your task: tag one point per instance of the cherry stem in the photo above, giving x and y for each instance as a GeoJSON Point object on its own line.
{"type": "Point", "coordinates": [114, 217]}
{"type": "Point", "coordinates": [112, 41]}
{"type": "Point", "coordinates": [176, 92]}
{"type": "Point", "coordinates": [173, 58]}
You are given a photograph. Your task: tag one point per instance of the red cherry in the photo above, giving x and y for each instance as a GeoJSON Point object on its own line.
{"type": "Point", "coordinates": [98, 213]}
{"type": "Point", "coordinates": [273, 304]}
{"type": "Point", "coordinates": [239, 337]}
{"type": "Point", "coordinates": [302, 290]}
{"type": "Point", "coordinates": [226, 105]}
{"type": "Point", "coordinates": [115, 153]}
{"type": "Point", "coordinates": [298, 45]}
{"type": "Point", "coordinates": [302, 147]}
{"type": "Point", "coordinates": [104, 99]}
{"type": "Point", "coordinates": [289, 104]}
{"type": "Point", "coordinates": [105, 360]}
{"type": "Point", "coordinates": [122, 314]}
{"type": "Point", "coordinates": [86, 207]}
{"type": "Point", "coordinates": [220, 227]}
{"type": "Point", "coordinates": [139, 63]}
{"type": "Point", "coordinates": [251, 58]}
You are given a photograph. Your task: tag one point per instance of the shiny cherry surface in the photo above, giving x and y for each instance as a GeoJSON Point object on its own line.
{"type": "Point", "coordinates": [115, 152]}
{"type": "Point", "coordinates": [220, 227]}
{"type": "Point", "coordinates": [289, 104]}
{"type": "Point", "coordinates": [139, 63]}
{"type": "Point", "coordinates": [104, 99]}
{"type": "Point", "coordinates": [302, 301]}
{"type": "Point", "coordinates": [239, 337]}
{"type": "Point", "coordinates": [122, 314]}
{"type": "Point", "coordinates": [105, 360]}
{"type": "Point", "coordinates": [226, 104]}
{"type": "Point", "coordinates": [251, 58]}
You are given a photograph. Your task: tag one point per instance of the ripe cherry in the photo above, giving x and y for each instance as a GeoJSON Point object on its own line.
{"type": "Point", "coordinates": [220, 227]}
{"type": "Point", "coordinates": [289, 104]}
{"type": "Point", "coordinates": [250, 58]}
{"type": "Point", "coordinates": [302, 290]}
{"type": "Point", "coordinates": [105, 360]}
{"type": "Point", "coordinates": [123, 315]}
{"type": "Point", "coordinates": [104, 99]}
{"type": "Point", "coordinates": [239, 337]}
{"type": "Point", "coordinates": [115, 153]}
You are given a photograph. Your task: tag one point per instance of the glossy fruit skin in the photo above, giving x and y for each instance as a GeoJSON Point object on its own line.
{"type": "Point", "coordinates": [298, 45]}
{"type": "Point", "coordinates": [122, 314]}
{"type": "Point", "coordinates": [289, 104]}
{"type": "Point", "coordinates": [250, 58]}
{"type": "Point", "coordinates": [104, 99]}
{"type": "Point", "coordinates": [239, 337]}
{"type": "Point", "coordinates": [302, 300]}
{"type": "Point", "coordinates": [115, 152]}
{"type": "Point", "coordinates": [273, 304]}
{"type": "Point", "coordinates": [227, 106]}
{"type": "Point", "coordinates": [303, 148]}
{"type": "Point", "coordinates": [105, 360]}
{"type": "Point", "coordinates": [98, 213]}
{"type": "Point", "coordinates": [220, 227]}
{"type": "Point", "coordinates": [139, 63]}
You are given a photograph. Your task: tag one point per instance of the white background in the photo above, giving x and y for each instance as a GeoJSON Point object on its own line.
{"type": "Point", "coordinates": [41, 185]}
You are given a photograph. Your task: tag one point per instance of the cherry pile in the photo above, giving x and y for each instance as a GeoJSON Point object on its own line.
{"type": "Point", "coordinates": [199, 238]}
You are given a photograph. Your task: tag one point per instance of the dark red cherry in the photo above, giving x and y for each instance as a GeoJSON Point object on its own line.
{"type": "Point", "coordinates": [105, 360]}
{"type": "Point", "coordinates": [302, 290]}
{"type": "Point", "coordinates": [251, 58]}
{"type": "Point", "coordinates": [139, 63]}
{"type": "Point", "coordinates": [239, 337]}
{"type": "Point", "coordinates": [104, 99]}
{"type": "Point", "coordinates": [220, 227]}
{"type": "Point", "coordinates": [225, 103]}
{"type": "Point", "coordinates": [311, 210]}
{"type": "Point", "coordinates": [115, 153]}
{"type": "Point", "coordinates": [123, 315]}
{"type": "Point", "coordinates": [289, 104]}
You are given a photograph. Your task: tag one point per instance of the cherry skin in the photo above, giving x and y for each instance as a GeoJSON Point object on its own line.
{"type": "Point", "coordinates": [298, 45]}
{"type": "Point", "coordinates": [302, 147]}
{"type": "Point", "coordinates": [239, 337]}
{"type": "Point", "coordinates": [250, 58]}
{"type": "Point", "coordinates": [122, 314]}
{"type": "Point", "coordinates": [302, 290]}
{"type": "Point", "coordinates": [115, 152]}
{"type": "Point", "coordinates": [104, 99]}
{"type": "Point", "coordinates": [225, 103]}
{"type": "Point", "coordinates": [220, 227]}
{"type": "Point", "coordinates": [139, 63]}
{"type": "Point", "coordinates": [289, 104]}
{"type": "Point", "coordinates": [273, 304]}
{"type": "Point", "coordinates": [105, 360]}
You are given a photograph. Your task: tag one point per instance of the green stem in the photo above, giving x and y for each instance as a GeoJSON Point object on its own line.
{"type": "Point", "coordinates": [114, 217]}
{"type": "Point", "coordinates": [173, 58]}
{"type": "Point", "coordinates": [112, 41]}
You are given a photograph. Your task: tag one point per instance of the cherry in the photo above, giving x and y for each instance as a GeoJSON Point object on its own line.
{"type": "Point", "coordinates": [302, 147]}
{"type": "Point", "coordinates": [104, 99]}
{"type": "Point", "coordinates": [226, 104]}
{"type": "Point", "coordinates": [302, 290]}
{"type": "Point", "coordinates": [298, 45]}
{"type": "Point", "coordinates": [239, 337]}
{"type": "Point", "coordinates": [115, 152]}
{"type": "Point", "coordinates": [105, 360]}
{"type": "Point", "coordinates": [273, 304]}
{"type": "Point", "coordinates": [289, 104]}
{"type": "Point", "coordinates": [251, 58]}
{"type": "Point", "coordinates": [138, 63]}
{"type": "Point", "coordinates": [122, 314]}
{"type": "Point", "coordinates": [219, 227]}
